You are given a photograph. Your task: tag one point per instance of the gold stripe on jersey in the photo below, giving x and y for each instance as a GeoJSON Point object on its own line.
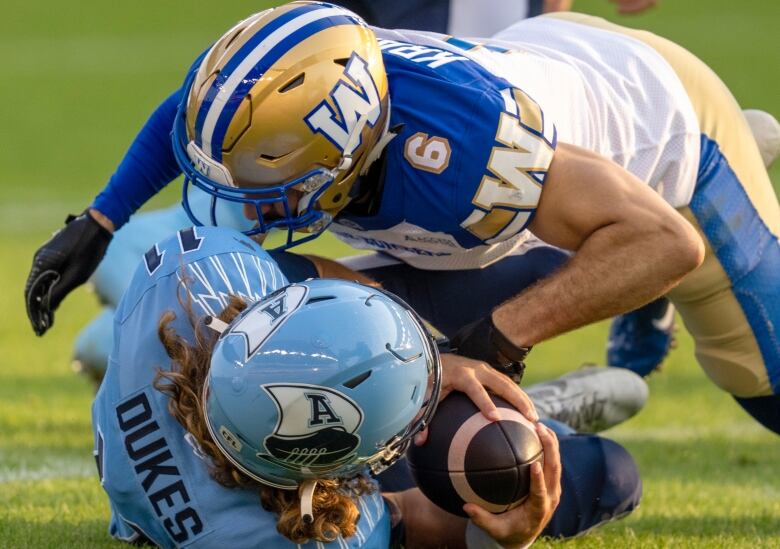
{"type": "Point", "coordinates": [530, 111]}
{"type": "Point", "coordinates": [491, 224]}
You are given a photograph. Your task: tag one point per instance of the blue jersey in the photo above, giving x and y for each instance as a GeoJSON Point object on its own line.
{"type": "Point", "coordinates": [465, 172]}
{"type": "Point", "coordinates": [157, 483]}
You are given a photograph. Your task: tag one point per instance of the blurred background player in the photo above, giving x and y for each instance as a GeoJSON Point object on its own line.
{"type": "Point", "coordinates": [169, 450]}
{"type": "Point", "coordinates": [466, 17]}
{"type": "Point", "coordinates": [745, 366]}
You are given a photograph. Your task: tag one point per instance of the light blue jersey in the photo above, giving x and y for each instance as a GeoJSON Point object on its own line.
{"type": "Point", "coordinates": [157, 483]}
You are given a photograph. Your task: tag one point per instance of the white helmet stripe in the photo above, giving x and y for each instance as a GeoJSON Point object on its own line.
{"type": "Point", "coordinates": [251, 60]}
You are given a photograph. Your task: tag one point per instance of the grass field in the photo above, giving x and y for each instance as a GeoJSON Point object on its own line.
{"type": "Point", "coordinates": [78, 81]}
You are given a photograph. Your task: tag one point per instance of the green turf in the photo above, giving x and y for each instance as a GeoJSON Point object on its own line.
{"type": "Point", "coordinates": [78, 81]}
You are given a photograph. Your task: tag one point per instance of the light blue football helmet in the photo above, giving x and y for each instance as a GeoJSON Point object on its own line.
{"type": "Point", "coordinates": [322, 379]}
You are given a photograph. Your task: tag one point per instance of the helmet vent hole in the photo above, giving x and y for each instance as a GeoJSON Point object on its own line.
{"type": "Point", "coordinates": [270, 157]}
{"type": "Point", "coordinates": [292, 84]}
{"type": "Point", "coordinates": [319, 299]}
{"type": "Point", "coordinates": [357, 380]}
{"type": "Point", "coordinates": [343, 61]}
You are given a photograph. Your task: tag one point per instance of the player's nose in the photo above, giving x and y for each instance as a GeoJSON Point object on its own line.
{"type": "Point", "coordinates": [267, 210]}
{"type": "Point", "coordinates": [249, 211]}
{"type": "Point", "coordinates": [273, 210]}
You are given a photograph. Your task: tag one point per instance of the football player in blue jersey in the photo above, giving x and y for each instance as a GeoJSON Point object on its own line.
{"type": "Point", "coordinates": [447, 154]}
{"type": "Point", "coordinates": [466, 17]}
{"type": "Point", "coordinates": [264, 435]}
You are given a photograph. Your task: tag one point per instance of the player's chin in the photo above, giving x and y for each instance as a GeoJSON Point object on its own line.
{"type": "Point", "coordinates": [259, 237]}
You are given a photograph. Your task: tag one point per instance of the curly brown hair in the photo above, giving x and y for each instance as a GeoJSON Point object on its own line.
{"type": "Point", "coordinates": [335, 511]}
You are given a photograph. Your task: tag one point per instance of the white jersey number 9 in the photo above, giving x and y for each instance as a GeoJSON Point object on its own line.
{"type": "Point", "coordinates": [430, 154]}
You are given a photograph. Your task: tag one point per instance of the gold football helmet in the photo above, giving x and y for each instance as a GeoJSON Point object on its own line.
{"type": "Point", "coordinates": [294, 97]}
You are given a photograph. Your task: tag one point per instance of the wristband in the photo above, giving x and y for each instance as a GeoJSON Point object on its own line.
{"type": "Point", "coordinates": [509, 350]}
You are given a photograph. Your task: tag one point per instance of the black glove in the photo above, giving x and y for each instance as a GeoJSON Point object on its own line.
{"type": "Point", "coordinates": [481, 340]}
{"type": "Point", "coordinates": [63, 263]}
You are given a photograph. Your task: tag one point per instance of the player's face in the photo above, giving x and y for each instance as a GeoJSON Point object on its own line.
{"type": "Point", "coordinates": [274, 211]}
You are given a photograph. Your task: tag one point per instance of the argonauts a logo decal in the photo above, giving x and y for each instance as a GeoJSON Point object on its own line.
{"type": "Point", "coordinates": [264, 318]}
{"type": "Point", "coordinates": [315, 427]}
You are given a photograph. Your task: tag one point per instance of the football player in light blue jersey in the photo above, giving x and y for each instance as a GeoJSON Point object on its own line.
{"type": "Point", "coordinates": [205, 448]}
{"type": "Point", "coordinates": [171, 472]}
{"type": "Point", "coordinates": [130, 417]}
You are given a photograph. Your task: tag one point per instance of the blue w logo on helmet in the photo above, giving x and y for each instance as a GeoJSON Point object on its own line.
{"type": "Point", "coordinates": [355, 107]}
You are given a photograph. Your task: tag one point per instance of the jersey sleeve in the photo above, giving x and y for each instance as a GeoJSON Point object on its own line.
{"type": "Point", "coordinates": [513, 145]}
{"type": "Point", "coordinates": [204, 266]}
{"type": "Point", "coordinates": [147, 167]}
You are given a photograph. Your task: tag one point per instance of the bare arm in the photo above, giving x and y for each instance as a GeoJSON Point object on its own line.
{"type": "Point", "coordinates": [327, 268]}
{"type": "Point", "coordinates": [104, 221]}
{"type": "Point", "coordinates": [631, 248]}
{"type": "Point", "coordinates": [630, 7]}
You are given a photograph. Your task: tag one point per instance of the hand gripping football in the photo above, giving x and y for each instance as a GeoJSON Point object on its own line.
{"type": "Point", "coordinates": [468, 458]}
